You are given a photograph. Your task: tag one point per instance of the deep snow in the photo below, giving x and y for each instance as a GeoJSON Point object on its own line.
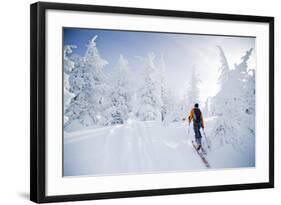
{"type": "Point", "coordinates": [144, 147]}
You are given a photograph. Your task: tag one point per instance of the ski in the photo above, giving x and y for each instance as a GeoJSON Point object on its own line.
{"type": "Point", "coordinates": [206, 163]}
{"type": "Point", "coordinates": [203, 151]}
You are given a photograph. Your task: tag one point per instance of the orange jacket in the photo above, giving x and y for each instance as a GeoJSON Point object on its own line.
{"type": "Point", "coordinates": [191, 116]}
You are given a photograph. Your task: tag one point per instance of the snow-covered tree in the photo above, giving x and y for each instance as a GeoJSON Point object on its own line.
{"type": "Point", "coordinates": [164, 97]}
{"type": "Point", "coordinates": [247, 76]}
{"type": "Point", "coordinates": [250, 93]}
{"type": "Point", "coordinates": [171, 106]}
{"type": "Point", "coordinates": [170, 111]}
{"type": "Point", "coordinates": [68, 67]}
{"type": "Point", "coordinates": [167, 98]}
{"type": "Point", "coordinates": [149, 95]}
{"type": "Point", "coordinates": [121, 100]}
{"type": "Point", "coordinates": [224, 68]}
{"type": "Point", "coordinates": [88, 84]}
{"type": "Point", "coordinates": [225, 83]}
{"type": "Point", "coordinates": [192, 95]}
{"type": "Point", "coordinates": [206, 107]}
{"type": "Point", "coordinates": [233, 103]}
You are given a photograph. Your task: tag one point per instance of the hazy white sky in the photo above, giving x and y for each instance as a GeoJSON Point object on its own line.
{"type": "Point", "coordinates": [204, 57]}
{"type": "Point", "coordinates": [181, 52]}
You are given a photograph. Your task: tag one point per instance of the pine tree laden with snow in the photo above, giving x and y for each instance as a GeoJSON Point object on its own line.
{"type": "Point", "coordinates": [192, 95]}
{"type": "Point", "coordinates": [87, 82]}
{"type": "Point", "coordinates": [149, 94]}
{"type": "Point", "coordinates": [121, 100]}
{"type": "Point", "coordinates": [68, 67]}
{"type": "Point", "coordinates": [232, 105]}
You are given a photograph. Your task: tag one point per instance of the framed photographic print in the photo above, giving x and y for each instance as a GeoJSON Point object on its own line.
{"type": "Point", "coordinates": [129, 102]}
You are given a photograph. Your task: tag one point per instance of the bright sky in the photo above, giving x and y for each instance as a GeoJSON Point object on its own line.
{"type": "Point", "coordinates": [181, 53]}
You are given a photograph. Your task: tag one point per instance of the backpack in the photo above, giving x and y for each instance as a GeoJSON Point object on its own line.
{"type": "Point", "coordinates": [197, 115]}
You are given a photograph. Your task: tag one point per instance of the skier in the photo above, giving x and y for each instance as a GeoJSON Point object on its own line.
{"type": "Point", "coordinates": [198, 122]}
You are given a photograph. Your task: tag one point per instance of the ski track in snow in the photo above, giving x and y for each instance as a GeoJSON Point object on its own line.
{"type": "Point", "coordinates": [136, 148]}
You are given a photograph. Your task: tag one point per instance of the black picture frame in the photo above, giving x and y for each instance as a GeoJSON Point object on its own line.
{"type": "Point", "coordinates": [38, 101]}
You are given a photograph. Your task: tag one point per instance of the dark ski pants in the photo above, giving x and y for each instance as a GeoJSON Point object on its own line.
{"type": "Point", "coordinates": [198, 136]}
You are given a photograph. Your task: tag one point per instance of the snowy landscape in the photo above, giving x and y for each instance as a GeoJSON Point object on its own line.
{"type": "Point", "coordinates": [126, 104]}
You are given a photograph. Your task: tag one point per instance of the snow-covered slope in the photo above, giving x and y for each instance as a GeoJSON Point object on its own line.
{"type": "Point", "coordinates": [143, 147]}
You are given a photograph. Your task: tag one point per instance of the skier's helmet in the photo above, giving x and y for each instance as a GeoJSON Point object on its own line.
{"type": "Point", "coordinates": [196, 105]}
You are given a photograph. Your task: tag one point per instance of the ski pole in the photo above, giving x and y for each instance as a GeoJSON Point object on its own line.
{"type": "Point", "coordinates": [206, 139]}
{"type": "Point", "coordinates": [188, 130]}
